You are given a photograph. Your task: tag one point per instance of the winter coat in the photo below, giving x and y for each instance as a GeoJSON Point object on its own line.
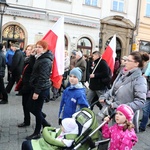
{"type": "Point", "coordinates": [29, 62]}
{"type": "Point", "coordinates": [9, 55]}
{"type": "Point", "coordinates": [81, 63]}
{"type": "Point", "coordinates": [129, 88]}
{"type": "Point", "coordinates": [17, 63]}
{"type": "Point", "coordinates": [73, 100]}
{"type": "Point", "coordinates": [101, 72]}
{"type": "Point", "coordinates": [119, 139]}
{"type": "Point", "coordinates": [40, 76]}
{"type": "Point", "coordinates": [2, 64]}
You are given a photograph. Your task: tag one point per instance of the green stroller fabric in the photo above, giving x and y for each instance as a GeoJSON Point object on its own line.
{"type": "Point", "coordinates": [49, 142]}
{"type": "Point", "coordinates": [86, 121]}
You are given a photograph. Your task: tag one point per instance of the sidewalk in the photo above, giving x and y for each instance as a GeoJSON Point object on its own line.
{"type": "Point", "coordinates": [11, 114]}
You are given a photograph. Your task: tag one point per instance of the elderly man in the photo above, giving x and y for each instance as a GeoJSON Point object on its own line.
{"type": "Point", "coordinates": [81, 63]}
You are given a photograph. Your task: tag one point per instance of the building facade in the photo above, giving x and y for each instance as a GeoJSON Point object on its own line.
{"type": "Point", "coordinates": [89, 24]}
{"type": "Point", "coordinates": [142, 34]}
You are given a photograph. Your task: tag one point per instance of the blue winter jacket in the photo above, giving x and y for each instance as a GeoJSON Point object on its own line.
{"type": "Point", "coordinates": [9, 55]}
{"type": "Point", "coordinates": [73, 99]}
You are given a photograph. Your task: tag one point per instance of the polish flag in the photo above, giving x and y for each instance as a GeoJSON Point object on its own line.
{"type": "Point", "coordinates": [55, 39]}
{"type": "Point", "coordinates": [109, 54]}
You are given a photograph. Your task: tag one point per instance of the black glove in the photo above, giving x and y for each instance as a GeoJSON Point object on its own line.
{"type": "Point", "coordinates": [59, 121]}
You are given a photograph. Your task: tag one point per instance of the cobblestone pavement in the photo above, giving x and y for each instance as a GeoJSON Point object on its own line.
{"type": "Point", "coordinates": [11, 114]}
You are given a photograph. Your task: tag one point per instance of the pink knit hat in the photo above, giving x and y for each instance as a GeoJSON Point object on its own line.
{"type": "Point", "coordinates": [126, 110]}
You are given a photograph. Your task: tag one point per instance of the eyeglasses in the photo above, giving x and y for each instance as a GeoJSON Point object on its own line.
{"type": "Point", "coordinates": [39, 47]}
{"type": "Point", "coordinates": [130, 60]}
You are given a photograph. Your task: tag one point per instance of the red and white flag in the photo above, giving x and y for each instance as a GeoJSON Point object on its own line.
{"type": "Point", "coordinates": [55, 39]}
{"type": "Point", "coordinates": [109, 54]}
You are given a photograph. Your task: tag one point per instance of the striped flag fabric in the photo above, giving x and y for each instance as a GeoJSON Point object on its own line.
{"type": "Point", "coordinates": [55, 39]}
{"type": "Point", "coordinates": [109, 54]}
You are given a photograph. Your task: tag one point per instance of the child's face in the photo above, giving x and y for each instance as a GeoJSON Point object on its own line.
{"type": "Point", "coordinates": [73, 79]}
{"type": "Point", "coordinates": [120, 117]}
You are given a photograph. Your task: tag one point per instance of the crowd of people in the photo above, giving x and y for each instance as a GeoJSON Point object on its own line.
{"type": "Point", "coordinates": [127, 91]}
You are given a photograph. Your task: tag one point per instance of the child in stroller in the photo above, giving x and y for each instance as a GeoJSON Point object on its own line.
{"type": "Point", "coordinates": [85, 123]}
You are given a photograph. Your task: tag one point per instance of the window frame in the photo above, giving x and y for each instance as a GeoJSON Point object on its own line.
{"type": "Point", "coordinates": [118, 5]}
{"type": "Point", "coordinates": [146, 9]}
{"type": "Point", "coordinates": [91, 3]}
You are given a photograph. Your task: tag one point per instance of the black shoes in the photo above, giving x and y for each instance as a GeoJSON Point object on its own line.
{"type": "Point", "coordinates": [3, 102]}
{"type": "Point", "coordinates": [141, 130]}
{"type": "Point", "coordinates": [33, 136]}
{"type": "Point", "coordinates": [23, 125]}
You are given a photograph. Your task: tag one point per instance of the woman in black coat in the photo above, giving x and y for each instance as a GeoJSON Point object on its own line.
{"type": "Point", "coordinates": [26, 88]}
{"type": "Point", "coordinates": [40, 85]}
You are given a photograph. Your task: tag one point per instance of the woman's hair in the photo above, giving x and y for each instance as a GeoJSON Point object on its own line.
{"type": "Point", "coordinates": [43, 43]}
{"type": "Point", "coordinates": [140, 57]}
{"type": "Point", "coordinates": [128, 125]}
{"type": "Point", "coordinates": [29, 46]}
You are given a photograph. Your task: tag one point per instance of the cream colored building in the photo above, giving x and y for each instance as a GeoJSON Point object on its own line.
{"type": "Point", "coordinates": [142, 34]}
{"type": "Point", "coordinates": [89, 24]}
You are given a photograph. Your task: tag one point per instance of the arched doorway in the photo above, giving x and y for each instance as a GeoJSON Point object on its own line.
{"type": "Point", "coordinates": [85, 45]}
{"type": "Point", "coordinates": [13, 33]}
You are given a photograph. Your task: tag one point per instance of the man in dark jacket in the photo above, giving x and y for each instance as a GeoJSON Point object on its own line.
{"type": "Point", "coordinates": [98, 71]}
{"type": "Point", "coordinates": [2, 74]}
{"type": "Point", "coordinates": [16, 67]}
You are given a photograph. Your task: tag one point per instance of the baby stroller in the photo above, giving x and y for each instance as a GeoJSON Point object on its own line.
{"type": "Point", "coordinates": [89, 136]}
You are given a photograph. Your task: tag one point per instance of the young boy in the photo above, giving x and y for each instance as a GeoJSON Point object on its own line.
{"type": "Point", "coordinates": [74, 97]}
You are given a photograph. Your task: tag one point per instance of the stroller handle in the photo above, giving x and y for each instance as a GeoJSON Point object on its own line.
{"type": "Point", "coordinates": [88, 137]}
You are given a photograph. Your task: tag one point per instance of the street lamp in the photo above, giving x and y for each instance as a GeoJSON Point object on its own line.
{"type": "Point", "coordinates": [3, 6]}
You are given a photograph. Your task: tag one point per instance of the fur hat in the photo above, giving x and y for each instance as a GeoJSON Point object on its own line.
{"type": "Point", "coordinates": [74, 52]}
{"type": "Point", "coordinates": [69, 124]}
{"type": "Point", "coordinates": [126, 110]}
{"type": "Point", "coordinates": [77, 72]}
{"type": "Point", "coordinates": [79, 53]}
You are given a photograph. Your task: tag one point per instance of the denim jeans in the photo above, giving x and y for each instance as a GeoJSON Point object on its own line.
{"type": "Point", "coordinates": [146, 114]}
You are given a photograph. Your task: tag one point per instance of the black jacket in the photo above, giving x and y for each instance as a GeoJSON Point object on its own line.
{"type": "Point", "coordinates": [101, 72]}
{"type": "Point", "coordinates": [40, 76]}
{"type": "Point", "coordinates": [28, 67]}
{"type": "Point", "coordinates": [2, 64]}
{"type": "Point", "coordinates": [17, 63]}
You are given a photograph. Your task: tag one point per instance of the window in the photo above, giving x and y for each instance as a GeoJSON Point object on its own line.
{"type": "Point", "coordinates": [85, 45]}
{"type": "Point", "coordinates": [148, 8]}
{"type": "Point", "coordinates": [118, 5]}
{"type": "Point", "coordinates": [91, 2]}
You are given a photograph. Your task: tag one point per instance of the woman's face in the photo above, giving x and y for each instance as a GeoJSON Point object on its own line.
{"type": "Point", "coordinates": [28, 51]}
{"type": "Point", "coordinates": [131, 63]}
{"type": "Point", "coordinates": [39, 49]}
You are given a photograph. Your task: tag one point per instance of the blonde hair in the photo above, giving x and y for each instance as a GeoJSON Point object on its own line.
{"type": "Point", "coordinates": [128, 125]}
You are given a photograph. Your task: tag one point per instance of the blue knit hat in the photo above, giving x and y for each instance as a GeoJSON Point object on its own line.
{"type": "Point", "coordinates": [77, 72]}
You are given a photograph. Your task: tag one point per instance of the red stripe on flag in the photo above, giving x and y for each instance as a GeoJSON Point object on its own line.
{"type": "Point", "coordinates": [52, 39]}
{"type": "Point", "coordinates": [107, 56]}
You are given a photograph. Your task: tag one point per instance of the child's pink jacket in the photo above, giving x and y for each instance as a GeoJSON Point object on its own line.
{"type": "Point", "coordinates": [119, 139]}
